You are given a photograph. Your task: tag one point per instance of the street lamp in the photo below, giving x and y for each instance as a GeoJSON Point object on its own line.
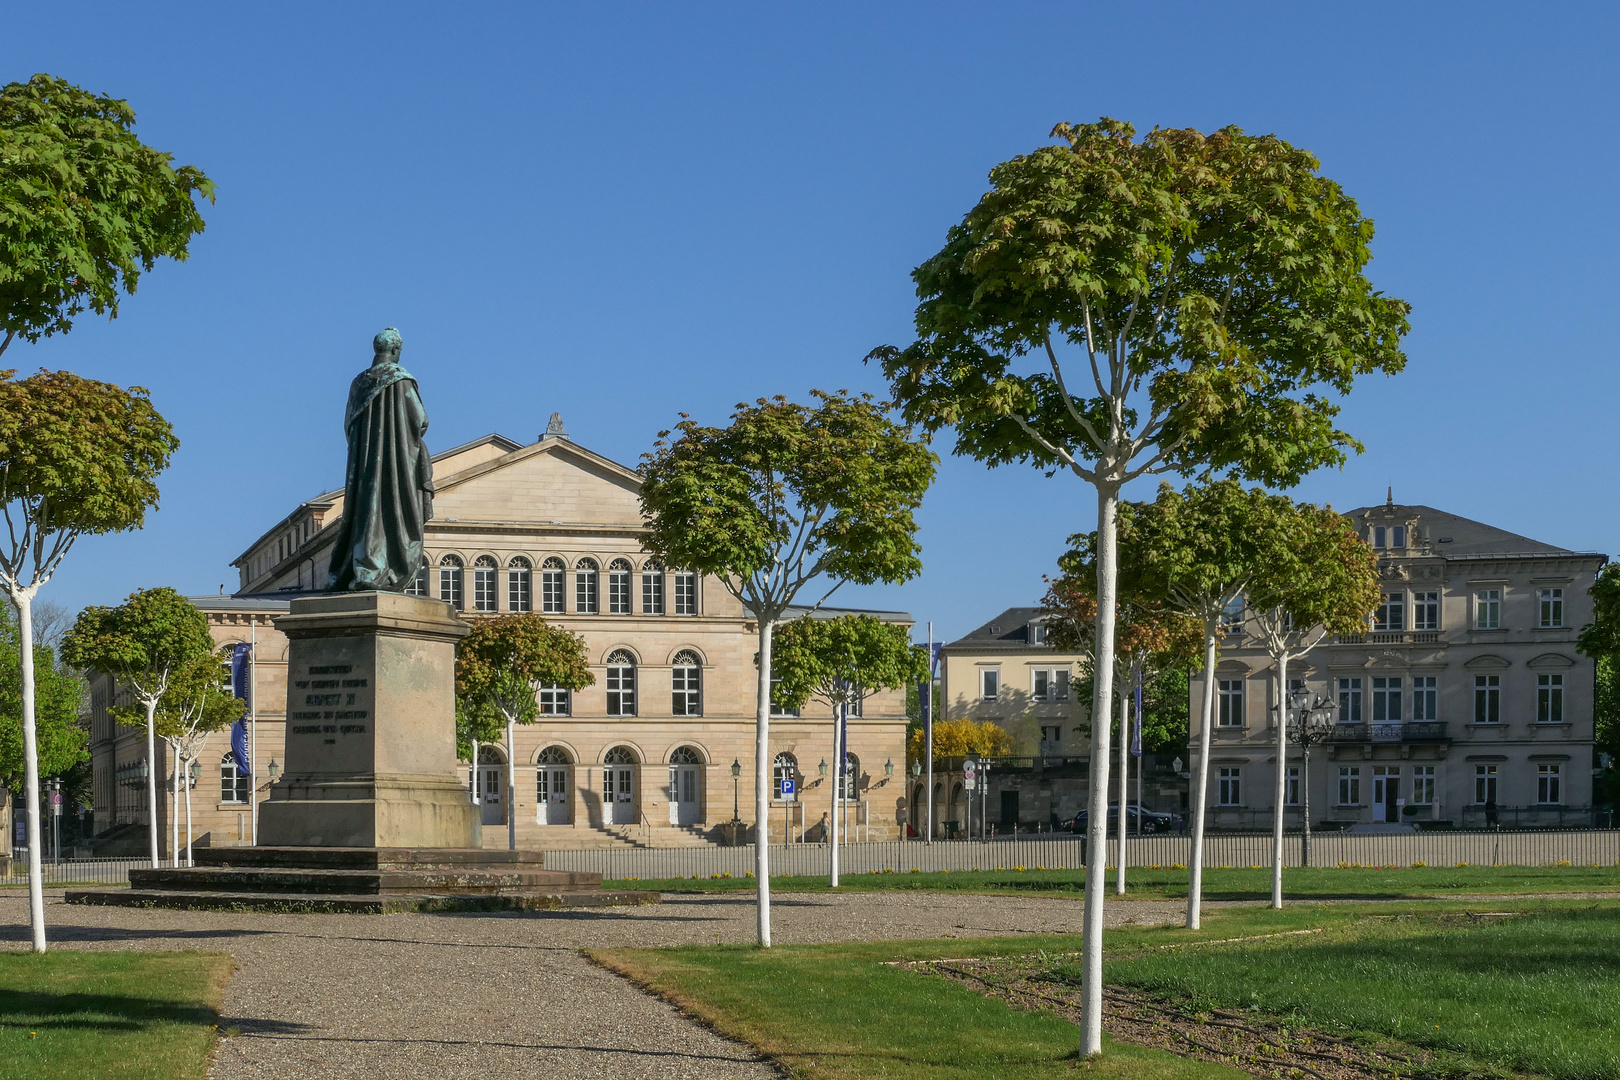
{"type": "Point", "coordinates": [275, 770]}
{"type": "Point", "coordinates": [736, 771]}
{"type": "Point", "coordinates": [888, 767]}
{"type": "Point", "coordinates": [1310, 721]}
{"type": "Point", "coordinates": [822, 768]}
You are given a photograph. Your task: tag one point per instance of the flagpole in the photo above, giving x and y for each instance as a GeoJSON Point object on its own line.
{"type": "Point", "coordinates": [253, 723]}
{"type": "Point", "coordinates": [928, 735]}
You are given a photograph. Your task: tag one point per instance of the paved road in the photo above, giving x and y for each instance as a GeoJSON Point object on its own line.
{"type": "Point", "coordinates": [380, 997]}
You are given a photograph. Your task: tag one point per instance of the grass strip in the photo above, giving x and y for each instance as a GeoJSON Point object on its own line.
{"type": "Point", "coordinates": [840, 1012]}
{"type": "Point", "coordinates": [110, 1015]}
{"type": "Point", "coordinates": [1225, 883]}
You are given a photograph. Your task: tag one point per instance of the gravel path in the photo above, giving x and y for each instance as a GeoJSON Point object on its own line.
{"type": "Point", "coordinates": [498, 996]}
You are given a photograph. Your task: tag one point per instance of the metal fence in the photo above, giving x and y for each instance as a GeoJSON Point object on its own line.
{"type": "Point", "coordinates": [75, 871]}
{"type": "Point", "coordinates": [1578, 847]}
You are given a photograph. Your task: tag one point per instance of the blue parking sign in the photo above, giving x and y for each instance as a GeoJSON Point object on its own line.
{"type": "Point", "coordinates": [787, 785]}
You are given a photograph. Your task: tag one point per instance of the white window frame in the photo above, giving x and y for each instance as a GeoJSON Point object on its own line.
{"type": "Point", "coordinates": [1386, 699]}
{"type": "Point", "coordinates": [686, 686]}
{"type": "Point", "coordinates": [1229, 786]}
{"type": "Point", "coordinates": [1349, 785]}
{"type": "Point", "coordinates": [233, 781]}
{"type": "Point", "coordinates": [553, 587]}
{"type": "Point", "coordinates": [1487, 700]}
{"type": "Point", "coordinates": [1549, 784]}
{"type": "Point", "coordinates": [686, 593]}
{"type": "Point", "coordinates": [1550, 699]}
{"type": "Point", "coordinates": [450, 581]}
{"type": "Point", "coordinates": [621, 685]}
{"type": "Point", "coordinates": [989, 683]}
{"type": "Point", "coordinates": [1351, 703]}
{"type": "Point", "coordinates": [519, 585]}
{"type": "Point", "coordinates": [554, 700]}
{"type": "Point", "coordinates": [587, 587]}
{"type": "Point", "coordinates": [1391, 614]}
{"type": "Point", "coordinates": [619, 595]}
{"type": "Point", "coordinates": [784, 764]}
{"type": "Point", "coordinates": [485, 573]}
{"type": "Point", "coordinates": [1422, 785]}
{"type": "Point", "coordinates": [1425, 698]}
{"type": "Point", "coordinates": [1487, 609]}
{"type": "Point", "coordinates": [652, 589]}
{"type": "Point", "coordinates": [1550, 608]}
{"type": "Point", "coordinates": [1485, 777]}
{"type": "Point", "coordinates": [1291, 786]}
{"type": "Point", "coordinates": [1426, 610]}
{"type": "Point", "coordinates": [1049, 684]}
{"type": "Point", "coordinates": [1229, 704]}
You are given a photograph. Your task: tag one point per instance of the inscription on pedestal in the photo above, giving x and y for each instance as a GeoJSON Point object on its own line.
{"type": "Point", "coordinates": [330, 694]}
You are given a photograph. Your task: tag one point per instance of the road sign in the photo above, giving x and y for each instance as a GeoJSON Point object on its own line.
{"type": "Point", "coordinates": [56, 803]}
{"type": "Point", "coordinates": [787, 785]}
{"type": "Point", "coordinates": [968, 768]}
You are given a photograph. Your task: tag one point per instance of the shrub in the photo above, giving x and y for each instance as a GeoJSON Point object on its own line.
{"type": "Point", "coordinates": [1420, 864]}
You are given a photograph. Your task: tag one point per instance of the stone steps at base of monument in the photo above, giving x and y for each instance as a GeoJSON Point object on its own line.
{"type": "Point", "coordinates": [325, 903]}
{"type": "Point", "coordinates": [471, 881]}
{"type": "Point", "coordinates": [337, 858]}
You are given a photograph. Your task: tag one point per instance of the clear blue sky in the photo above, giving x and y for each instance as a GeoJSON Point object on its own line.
{"type": "Point", "coordinates": [621, 212]}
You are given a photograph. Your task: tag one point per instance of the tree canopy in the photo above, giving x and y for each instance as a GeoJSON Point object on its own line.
{"type": "Point", "coordinates": [841, 659]}
{"type": "Point", "coordinates": [1317, 577]}
{"type": "Point", "coordinates": [58, 692]}
{"type": "Point", "coordinates": [88, 206]}
{"type": "Point", "coordinates": [199, 701]}
{"type": "Point", "coordinates": [504, 662]}
{"type": "Point", "coordinates": [144, 643]}
{"type": "Point", "coordinates": [962, 738]}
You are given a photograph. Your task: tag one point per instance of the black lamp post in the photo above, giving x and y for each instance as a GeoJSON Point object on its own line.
{"type": "Point", "coordinates": [736, 772]}
{"type": "Point", "coordinates": [1310, 721]}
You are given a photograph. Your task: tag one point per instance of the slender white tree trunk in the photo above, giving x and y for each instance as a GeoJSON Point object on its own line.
{"type": "Point", "coordinates": [837, 797]}
{"type": "Point", "coordinates": [23, 600]}
{"type": "Point", "coordinates": [1206, 721]}
{"type": "Point", "coordinates": [174, 810]}
{"type": "Point", "coordinates": [151, 779]}
{"type": "Point", "coordinates": [511, 785]}
{"type": "Point", "coordinates": [189, 860]}
{"type": "Point", "coordinates": [762, 786]}
{"type": "Point", "coordinates": [1097, 824]}
{"type": "Point", "coordinates": [1124, 775]}
{"type": "Point", "coordinates": [1282, 779]}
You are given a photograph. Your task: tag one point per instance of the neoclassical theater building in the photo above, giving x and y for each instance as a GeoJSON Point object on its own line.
{"type": "Point", "coordinates": [646, 755]}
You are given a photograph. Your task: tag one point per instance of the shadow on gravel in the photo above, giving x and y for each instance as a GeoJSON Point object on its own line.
{"type": "Point", "coordinates": [622, 1051]}
{"type": "Point", "coordinates": [66, 934]}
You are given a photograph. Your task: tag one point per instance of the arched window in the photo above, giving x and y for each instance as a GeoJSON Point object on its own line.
{"type": "Point", "coordinates": [619, 587]}
{"type": "Point", "coordinates": [233, 780]}
{"type": "Point", "coordinates": [551, 586]}
{"type": "Point", "coordinates": [652, 588]}
{"type": "Point", "coordinates": [484, 583]}
{"type": "Point", "coordinates": [554, 755]}
{"type": "Point", "coordinates": [417, 586]}
{"type": "Point", "coordinates": [519, 585]}
{"type": "Point", "coordinates": [619, 755]}
{"type": "Point", "coordinates": [450, 581]}
{"type": "Point", "coordinates": [686, 755]}
{"type": "Point", "coordinates": [686, 593]}
{"type": "Point", "coordinates": [585, 587]}
{"type": "Point", "coordinates": [686, 698]}
{"type": "Point", "coordinates": [852, 777]}
{"type": "Point", "coordinates": [785, 768]}
{"type": "Point", "coordinates": [621, 684]}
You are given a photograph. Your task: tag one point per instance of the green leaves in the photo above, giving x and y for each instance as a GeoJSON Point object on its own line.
{"type": "Point", "coordinates": [504, 661]}
{"type": "Point", "coordinates": [144, 643]}
{"type": "Point", "coordinates": [198, 701]}
{"type": "Point", "coordinates": [61, 741]}
{"type": "Point", "coordinates": [1318, 570]}
{"type": "Point", "coordinates": [836, 658]}
{"type": "Point", "coordinates": [85, 207]}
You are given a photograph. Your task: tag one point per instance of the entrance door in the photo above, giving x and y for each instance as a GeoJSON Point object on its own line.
{"type": "Point", "coordinates": [619, 793]}
{"type": "Point", "coordinates": [684, 808]}
{"type": "Point", "coordinates": [1386, 792]}
{"type": "Point", "coordinates": [552, 795]}
{"type": "Point", "coordinates": [491, 785]}
{"type": "Point", "coordinates": [1009, 809]}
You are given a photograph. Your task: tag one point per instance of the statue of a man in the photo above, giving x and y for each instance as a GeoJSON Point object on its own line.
{"type": "Point", "coordinates": [388, 491]}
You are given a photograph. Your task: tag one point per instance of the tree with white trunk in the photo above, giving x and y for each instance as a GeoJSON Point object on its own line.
{"type": "Point", "coordinates": [199, 702]}
{"type": "Point", "coordinates": [1116, 307]}
{"type": "Point", "coordinates": [785, 498]}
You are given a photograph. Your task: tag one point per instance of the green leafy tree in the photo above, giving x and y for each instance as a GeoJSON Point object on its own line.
{"type": "Point", "coordinates": [1600, 639]}
{"type": "Point", "coordinates": [199, 702]}
{"type": "Point", "coordinates": [843, 661]}
{"type": "Point", "coordinates": [786, 497]}
{"type": "Point", "coordinates": [1117, 307]}
{"type": "Point", "coordinates": [59, 739]}
{"type": "Point", "coordinates": [146, 643]}
{"type": "Point", "coordinates": [1318, 577]}
{"type": "Point", "coordinates": [500, 668]}
{"type": "Point", "coordinates": [88, 206]}
{"type": "Point", "coordinates": [76, 457]}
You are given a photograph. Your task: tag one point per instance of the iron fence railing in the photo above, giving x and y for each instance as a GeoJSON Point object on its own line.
{"type": "Point", "coordinates": [73, 871]}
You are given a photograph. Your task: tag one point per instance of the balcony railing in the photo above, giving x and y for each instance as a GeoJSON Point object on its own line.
{"type": "Point", "coordinates": [1416, 731]}
{"type": "Point", "coordinates": [1389, 637]}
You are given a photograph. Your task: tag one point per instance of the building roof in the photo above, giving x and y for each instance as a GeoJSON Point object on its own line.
{"type": "Point", "coordinates": [252, 602]}
{"type": "Point", "coordinates": [796, 611]}
{"type": "Point", "coordinates": [1452, 536]}
{"type": "Point", "coordinates": [1009, 630]}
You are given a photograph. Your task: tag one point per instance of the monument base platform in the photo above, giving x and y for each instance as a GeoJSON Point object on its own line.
{"type": "Point", "coordinates": [379, 880]}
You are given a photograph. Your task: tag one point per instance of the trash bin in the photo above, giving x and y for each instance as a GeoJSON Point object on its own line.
{"type": "Point", "coordinates": [951, 829]}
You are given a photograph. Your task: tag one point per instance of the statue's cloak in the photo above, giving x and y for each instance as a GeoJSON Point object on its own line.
{"type": "Point", "coordinates": [388, 490]}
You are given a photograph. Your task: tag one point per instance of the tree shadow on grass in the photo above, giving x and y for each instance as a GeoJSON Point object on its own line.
{"type": "Point", "coordinates": [37, 1011]}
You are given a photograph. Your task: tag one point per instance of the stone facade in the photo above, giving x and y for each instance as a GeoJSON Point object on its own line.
{"type": "Point", "coordinates": [554, 528]}
{"type": "Point", "coordinates": [1466, 690]}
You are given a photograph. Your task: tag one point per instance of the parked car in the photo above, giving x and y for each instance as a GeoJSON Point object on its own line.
{"type": "Point", "coordinates": [1137, 819]}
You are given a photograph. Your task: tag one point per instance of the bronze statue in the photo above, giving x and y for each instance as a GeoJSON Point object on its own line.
{"type": "Point", "coordinates": [388, 491]}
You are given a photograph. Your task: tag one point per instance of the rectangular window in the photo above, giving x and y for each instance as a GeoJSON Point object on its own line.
{"type": "Point", "coordinates": [1051, 736]}
{"type": "Point", "coordinates": [652, 592]}
{"type": "Point", "coordinates": [1292, 798]}
{"type": "Point", "coordinates": [621, 690]}
{"type": "Point", "coordinates": [1552, 608]}
{"type": "Point", "coordinates": [484, 588]}
{"type": "Point", "coordinates": [1422, 785]}
{"type": "Point", "coordinates": [686, 697]}
{"type": "Point", "coordinates": [553, 701]}
{"type": "Point", "coordinates": [1550, 699]}
{"type": "Point", "coordinates": [586, 590]}
{"type": "Point", "coordinates": [1350, 701]}
{"type": "Point", "coordinates": [1549, 789]}
{"type": "Point", "coordinates": [686, 598]}
{"type": "Point", "coordinates": [1386, 700]}
{"type": "Point", "coordinates": [1230, 788]}
{"type": "Point", "coordinates": [1425, 611]}
{"type": "Point", "coordinates": [519, 589]}
{"type": "Point", "coordinates": [417, 586]}
{"type": "Point", "coordinates": [1487, 699]}
{"type": "Point", "coordinates": [551, 590]}
{"type": "Point", "coordinates": [1391, 613]}
{"type": "Point", "coordinates": [776, 709]}
{"type": "Point", "coordinates": [1349, 785]}
{"type": "Point", "coordinates": [450, 586]}
{"type": "Point", "coordinates": [1380, 537]}
{"type": "Point", "coordinates": [618, 592]}
{"type": "Point", "coordinates": [1425, 698]}
{"type": "Point", "coordinates": [1231, 699]}
{"type": "Point", "coordinates": [1484, 784]}
{"type": "Point", "coordinates": [1398, 537]}
{"type": "Point", "coordinates": [1049, 684]}
{"type": "Point", "coordinates": [1488, 609]}
{"type": "Point", "coordinates": [1232, 618]}
{"type": "Point", "coordinates": [989, 683]}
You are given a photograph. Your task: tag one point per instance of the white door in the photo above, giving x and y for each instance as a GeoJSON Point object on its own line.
{"type": "Point", "coordinates": [684, 808]}
{"type": "Point", "coordinates": [1386, 788]}
{"type": "Point", "coordinates": [492, 785]}
{"type": "Point", "coordinates": [551, 798]}
{"type": "Point", "coordinates": [619, 793]}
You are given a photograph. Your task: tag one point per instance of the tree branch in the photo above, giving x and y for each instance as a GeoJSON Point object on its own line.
{"type": "Point", "coordinates": [1057, 373]}
{"type": "Point", "coordinates": [9, 335]}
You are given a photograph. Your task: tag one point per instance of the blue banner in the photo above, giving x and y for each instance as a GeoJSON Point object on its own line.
{"type": "Point", "coordinates": [239, 746]}
{"type": "Point", "coordinates": [1136, 737]}
{"type": "Point", "coordinates": [240, 669]}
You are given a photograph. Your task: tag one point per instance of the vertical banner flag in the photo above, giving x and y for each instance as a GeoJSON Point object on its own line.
{"type": "Point", "coordinates": [1136, 736]}
{"type": "Point", "coordinates": [240, 672]}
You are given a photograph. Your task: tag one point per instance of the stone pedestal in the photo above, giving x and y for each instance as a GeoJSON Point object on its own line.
{"type": "Point", "coordinates": [371, 729]}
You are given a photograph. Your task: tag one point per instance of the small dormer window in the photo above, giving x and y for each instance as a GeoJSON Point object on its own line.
{"type": "Point", "coordinates": [1037, 633]}
{"type": "Point", "coordinates": [1398, 537]}
{"type": "Point", "coordinates": [1380, 537]}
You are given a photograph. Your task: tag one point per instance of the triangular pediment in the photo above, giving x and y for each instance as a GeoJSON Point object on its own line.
{"type": "Point", "coordinates": [551, 481]}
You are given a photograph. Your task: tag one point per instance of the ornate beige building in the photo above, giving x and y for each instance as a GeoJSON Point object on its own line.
{"type": "Point", "coordinates": [643, 756]}
{"type": "Point", "coordinates": [1465, 698]}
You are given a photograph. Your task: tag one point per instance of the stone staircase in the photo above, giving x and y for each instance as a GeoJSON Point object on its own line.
{"type": "Point", "coordinates": [363, 880]}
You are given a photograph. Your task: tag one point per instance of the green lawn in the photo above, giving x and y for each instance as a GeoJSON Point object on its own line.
{"type": "Point", "coordinates": [109, 1015]}
{"type": "Point", "coordinates": [840, 1012]}
{"type": "Point", "coordinates": [1219, 884]}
